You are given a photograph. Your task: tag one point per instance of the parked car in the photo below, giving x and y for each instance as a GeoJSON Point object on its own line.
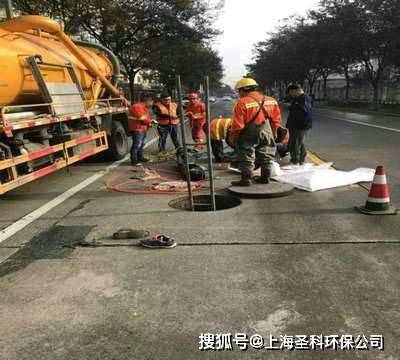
{"type": "Point", "coordinates": [227, 98]}
{"type": "Point", "coordinates": [213, 99]}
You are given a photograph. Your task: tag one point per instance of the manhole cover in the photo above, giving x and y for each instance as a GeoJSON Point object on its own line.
{"type": "Point", "coordinates": [263, 191]}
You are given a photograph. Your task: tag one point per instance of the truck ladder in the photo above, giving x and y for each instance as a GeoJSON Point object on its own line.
{"type": "Point", "coordinates": [58, 92]}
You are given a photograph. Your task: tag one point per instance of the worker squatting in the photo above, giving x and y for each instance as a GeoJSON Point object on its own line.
{"type": "Point", "coordinates": [254, 131]}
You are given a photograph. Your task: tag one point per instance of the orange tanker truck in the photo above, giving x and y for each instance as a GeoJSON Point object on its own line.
{"type": "Point", "coordinates": [59, 101]}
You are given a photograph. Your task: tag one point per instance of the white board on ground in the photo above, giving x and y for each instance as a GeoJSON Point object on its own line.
{"type": "Point", "coordinates": [322, 177]}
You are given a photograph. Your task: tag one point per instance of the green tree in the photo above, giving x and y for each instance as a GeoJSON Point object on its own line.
{"type": "Point", "coordinates": [338, 33]}
{"type": "Point", "coordinates": [367, 32]}
{"type": "Point", "coordinates": [192, 61]}
{"type": "Point", "coordinates": [290, 54]}
{"type": "Point", "coordinates": [135, 30]}
{"type": "Point", "coordinates": [340, 36]}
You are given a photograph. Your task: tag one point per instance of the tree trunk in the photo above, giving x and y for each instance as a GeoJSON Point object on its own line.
{"type": "Point", "coordinates": [311, 85]}
{"type": "Point", "coordinates": [282, 90]}
{"type": "Point", "coordinates": [375, 86]}
{"type": "Point", "coordinates": [375, 80]}
{"type": "Point", "coordinates": [347, 78]}
{"type": "Point", "coordinates": [325, 87]}
{"type": "Point", "coordinates": [131, 76]}
{"type": "Point", "coordinates": [132, 87]}
{"type": "Point", "coordinates": [347, 91]}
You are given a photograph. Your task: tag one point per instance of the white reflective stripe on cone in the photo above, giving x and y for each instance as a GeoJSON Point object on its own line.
{"type": "Point", "coordinates": [380, 179]}
{"type": "Point", "coordinates": [378, 200]}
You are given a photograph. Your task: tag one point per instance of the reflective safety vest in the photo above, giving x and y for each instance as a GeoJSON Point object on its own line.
{"type": "Point", "coordinates": [219, 128]}
{"type": "Point", "coordinates": [167, 116]}
{"type": "Point", "coordinates": [139, 118]}
{"type": "Point", "coordinates": [247, 110]}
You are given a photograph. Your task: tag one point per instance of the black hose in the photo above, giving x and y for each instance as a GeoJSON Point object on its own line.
{"type": "Point", "coordinates": [7, 149]}
{"type": "Point", "coordinates": [113, 58]}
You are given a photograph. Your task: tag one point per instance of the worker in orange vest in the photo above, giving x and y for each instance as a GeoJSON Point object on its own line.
{"type": "Point", "coordinates": [196, 111]}
{"type": "Point", "coordinates": [139, 122]}
{"type": "Point", "coordinates": [256, 119]}
{"type": "Point", "coordinates": [219, 131]}
{"type": "Point", "coordinates": [166, 112]}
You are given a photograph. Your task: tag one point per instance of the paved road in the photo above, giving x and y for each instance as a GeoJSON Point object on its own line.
{"type": "Point", "coordinates": [357, 140]}
{"type": "Point", "coordinates": [297, 265]}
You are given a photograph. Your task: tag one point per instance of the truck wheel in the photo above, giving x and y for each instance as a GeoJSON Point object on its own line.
{"type": "Point", "coordinates": [118, 141]}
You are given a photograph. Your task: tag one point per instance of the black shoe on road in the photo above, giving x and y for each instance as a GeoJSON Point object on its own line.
{"type": "Point", "coordinates": [159, 242]}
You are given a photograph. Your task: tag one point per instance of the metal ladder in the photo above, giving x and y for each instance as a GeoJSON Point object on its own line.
{"type": "Point", "coordinates": [49, 93]}
{"type": "Point", "coordinates": [212, 203]}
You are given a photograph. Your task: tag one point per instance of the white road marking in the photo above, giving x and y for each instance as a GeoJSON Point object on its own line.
{"type": "Point", "coordinates": [36, 214]}
{"type": "Point", "coordinates": [363, 123]}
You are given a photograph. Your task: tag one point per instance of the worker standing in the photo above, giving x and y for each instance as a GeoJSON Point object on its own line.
{"type": "Point", "coordinates": [256, 119]}
{"type": "Point", "coordinates": [196, 111]}
{"type": "Point", "coordinates": [168, 121]}
{"type": "Point", "coordinates": [139, 122]}
{"type": "Point", "coordinates": [299, 122]}
{"type": "Point", "coordinates": [219, 131]}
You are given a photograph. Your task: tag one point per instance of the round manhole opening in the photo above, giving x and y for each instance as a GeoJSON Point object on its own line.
{"type": "Point", "coordinates": [203, 203]}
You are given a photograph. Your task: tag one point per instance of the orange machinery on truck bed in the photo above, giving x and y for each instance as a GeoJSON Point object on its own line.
{"type": "Point", "coordinates": [58, 101]}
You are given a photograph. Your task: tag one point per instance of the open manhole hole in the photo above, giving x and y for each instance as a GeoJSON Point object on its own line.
{"type": "Point", "coordinates": [203, 203]}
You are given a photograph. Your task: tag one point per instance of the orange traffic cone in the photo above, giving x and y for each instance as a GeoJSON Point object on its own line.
{"type": "Point", "coordinates": [378, 202]}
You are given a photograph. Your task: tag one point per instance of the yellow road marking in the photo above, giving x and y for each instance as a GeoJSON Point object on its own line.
{"type": "Point", "coordinates": [314, 158]}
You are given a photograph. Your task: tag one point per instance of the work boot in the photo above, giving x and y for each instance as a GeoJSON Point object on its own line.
{"type": "Point", "coordinates": [264, 178]}
{"type": "Point", "coordinates": [303, 158]}
{"type": "Point", "coordinates": [244, 181]}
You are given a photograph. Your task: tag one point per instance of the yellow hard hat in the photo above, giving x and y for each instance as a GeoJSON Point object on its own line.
{"type": "Point", "coordinates": [245, 82]}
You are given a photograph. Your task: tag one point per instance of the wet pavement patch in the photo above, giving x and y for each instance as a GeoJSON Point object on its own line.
{"type": "Point", "coordinates": [202, 203]}
{"type": "Point", "coordinates": [56, 243]}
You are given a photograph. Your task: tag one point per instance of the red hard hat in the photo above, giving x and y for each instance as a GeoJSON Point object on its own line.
{"type": "Point", "coordinates": [192, 96]}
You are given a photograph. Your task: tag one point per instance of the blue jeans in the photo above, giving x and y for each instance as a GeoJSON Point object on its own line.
{"type": "Point", "coordinates": [138, 138]}
{"type": "Point", "coordinates": [163, 131]}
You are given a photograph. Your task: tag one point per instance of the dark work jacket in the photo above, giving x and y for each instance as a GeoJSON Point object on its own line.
{"type": "Point", "coordinates": [300, 113]}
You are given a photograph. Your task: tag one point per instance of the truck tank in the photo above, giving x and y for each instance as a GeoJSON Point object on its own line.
{"type": "Point", "coordinates": [39, 36]}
